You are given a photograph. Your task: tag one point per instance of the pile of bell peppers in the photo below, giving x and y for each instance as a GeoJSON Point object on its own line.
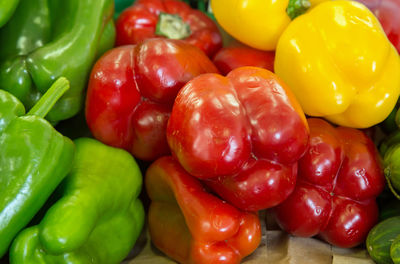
{"type": "Point", "coordinates": [335, 57]}
{"type": "Point", "coordinates": [215, 130]}
{"type": "Point", "coordinates": [62, 201]}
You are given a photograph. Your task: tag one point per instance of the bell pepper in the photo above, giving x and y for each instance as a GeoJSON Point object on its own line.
{"type": "Point", "coordinates": [387, 12]}
{"type": "Point", "coordinates": [339, 178]}
{"type": "Point", "coordinates": [389, 141]}
{"type": "Point", "coordinates": [340, 65]}
{"type": "Point", "coordinates": [390, 149]}
{"type": "Point", "coordinates": [172, 19]}
{"type": "Point", "coordinates": [243, 134]}
{"type": "Point", "coordinates": [34, 158]}
{"type": "Point", "coordinates": [7, 8]}
{"type": "Point", "coordinates": [44, 40]}
{"type": "Point", "coordinates": [258, 23]}
{"type": "Point", "coordinates": [98, 217]}
{"type": "Point", "coordinates": [235, 56]}
{"type": "Point", "coordinates": [191, 225]}
{"type": "Point", "coordinates": [131, 91]}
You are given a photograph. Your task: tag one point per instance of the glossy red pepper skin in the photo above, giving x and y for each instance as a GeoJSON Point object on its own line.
{"type": "Point", "coordinates": [229, 58]}
{"type": "Point", "coordinates": [242, 133]}
{"type": "Point", "coordinates": [138, 22]}
{"type": "Point", "coordinates": [131, 91]}
{"type": "Point", "coordinates": [191, 225]}
{"type": "Point", "coordinates": [339, 178]}
{"type": "Point", "coordinates": [387, 12]}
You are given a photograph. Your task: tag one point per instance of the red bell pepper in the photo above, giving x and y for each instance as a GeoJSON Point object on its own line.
{"type": "Point", "coordinates": [131, 91]}
{"type": "Point", "coordinates": [242, 133]}
{"type": "Point", "coordinates": [167, 18]}
{"type": "Point", "coordinates": [387, 12]}
{"type": "Point", "coordinates": [191, 225]}
{"type": "Point", "coordinates": [339, 178]}
{"type": "Point", "coordinates": [229, 58]}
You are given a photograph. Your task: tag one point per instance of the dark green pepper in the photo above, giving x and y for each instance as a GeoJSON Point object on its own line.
{"type": "Point", "coordinates": [7, 8]}
{"type": "Point", "coordinates": [99, 216]}
{"type": "Point", "coordinates": [391, 162]}
{"type": "Point", "coordinates": [34, 159]}
{"type": "Point", "coordinates": [395, 250]}
{"type": "Point", "coordinates": [392, 139]}
{"type": "Point", "coordinates": [120, 5]}
{"type": "Point", "coordinates": [380, 238]}
{"type": "Point", "coordinates": [46, 39]}
{"type": "Point", "coordinates": [389, 125]}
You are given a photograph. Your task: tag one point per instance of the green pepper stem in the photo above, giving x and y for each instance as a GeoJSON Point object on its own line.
{"type": "Point", "coordinates": [201, 5]}
{"type": "Point", "coordinates": [49, 99]}
{"type": "Point", "coordinates": [172, 27]}
{"type": "Point", "coordinates": [297, 7]}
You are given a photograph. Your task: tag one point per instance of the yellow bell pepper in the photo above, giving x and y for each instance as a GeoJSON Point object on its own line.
{"type": "Point", "coordinates": [340, 65]}
{"type": "Point", "coordinates": [257, 23]}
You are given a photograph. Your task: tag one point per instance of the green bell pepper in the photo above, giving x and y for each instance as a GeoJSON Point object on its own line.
{"type": "Point", "coordinates": [98, 217]}
{"type": "Point", "coordinates": [46, 39]}
{"type": "Point", "coordinates": [391, 162]}
{"type": "Point", "coordinates": [388, 141]}
{"type": "Point", "coordinates": [7, 8]}
{"type": "Point", "coordinates": [34, 159]}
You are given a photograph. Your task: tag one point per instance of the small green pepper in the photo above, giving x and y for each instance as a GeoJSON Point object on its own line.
{"type": "Point", "coordinates": [391, 161]}
{"type": "Point", "coordinates": [98, 217]}
{"type": "Point", "coordinates": [34, 159]}
{"type": "Point", "coordinates": [390, 140]}
{"type": "Point", "coordinates": [47, 39]}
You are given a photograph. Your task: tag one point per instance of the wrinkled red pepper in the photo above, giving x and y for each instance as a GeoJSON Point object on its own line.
{"type": "Point", "coordinates": [191, 225]}
{"type": "Point", "coordinates": [167, 18]}
{"type": "Point", "coordinates": [230, 58]}
{"type": "Point", "coordinates": [242, 133]}
{"type": "Point", "coordinates": [339, 178]}
{"type": "Point", "coordinates": [131, 91]}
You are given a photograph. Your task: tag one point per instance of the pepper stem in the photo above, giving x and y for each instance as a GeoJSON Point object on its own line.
{"type": "Point", "coordinates": [48, 100]}
{"type": "Point", "coordinates": [201, 5]}
{"type": "Point", "coordinates": [172, 27]}
{"type": "Point", "coordinates": [297, 7]}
